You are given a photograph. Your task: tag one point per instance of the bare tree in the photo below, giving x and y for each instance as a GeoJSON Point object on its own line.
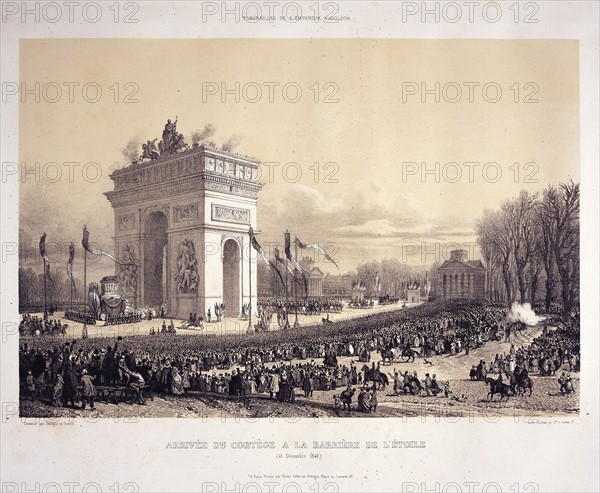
{"type": "Point", "coordinates": [495, 239]}
{"type": "Point", "coordinates": [519, 214]}
{"type": "Point", "coordinates": [486, 247]}
{"type": "Point", "coordinates": [547, 227]}
{"type": "Point", "coordinates": [564, 206]}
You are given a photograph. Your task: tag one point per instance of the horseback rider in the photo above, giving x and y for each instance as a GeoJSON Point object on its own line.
{"type": "Point", "coordinates": [499, 381]}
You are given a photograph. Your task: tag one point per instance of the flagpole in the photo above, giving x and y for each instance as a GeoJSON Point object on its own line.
{"type": "Point", "coordinates": [45, 309]}
{"type": "Point", "coordinates": [250, 277]}
{"type": "Point", "coordinates": [84, 278]}
{"type": "Point", "coordinates": [296, 324]}
{"type": "Point", "coordinates": [287, 303]}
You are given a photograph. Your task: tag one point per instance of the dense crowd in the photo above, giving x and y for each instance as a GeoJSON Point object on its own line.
{"type": "Point", "coordinates": [388, 300]}
{"type": "Point", "coordinates": [361, 303]}
{"type": "Point", "coordinates": [308, 306]}
{"type": "Point", "coordinates": [125, 318]}
{"type": "Point", "coordinates": [81, 317]}
{"type": "Point", "coordinates": [32, 325]}
{"type": "Point", "coordinates": [305, 359]}
{"type": "Point", "coordinates": [137, 315]}
{"type": "Point", "coordinates": [547, 353]}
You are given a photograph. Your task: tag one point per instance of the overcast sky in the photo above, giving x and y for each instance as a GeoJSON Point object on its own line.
{"type": "Point", "coordinates": [361, 203]}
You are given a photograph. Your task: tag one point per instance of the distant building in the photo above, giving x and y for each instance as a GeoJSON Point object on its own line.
{"type": "Point", "coordinates": [314, 278]}
{"type": "Point", "coordinates": [413, 295]}
{"type": "Point", "coordinates": [459, 278]}
{"type": "Point", "coordinates": [269, 284]}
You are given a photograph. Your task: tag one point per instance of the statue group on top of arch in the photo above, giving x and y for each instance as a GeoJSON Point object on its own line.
{"type": "Point", "coordinates": [172, 142]}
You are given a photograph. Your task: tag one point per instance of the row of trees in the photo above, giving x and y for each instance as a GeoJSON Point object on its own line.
{"type": "Point", "coordinates": [387, 277]}
{"type": "Point", "coordinates": [31, 289]}
{"type": "Point", "coordinates": [378, 277]}
{"type": "Point", "coordinates": [533, 240]}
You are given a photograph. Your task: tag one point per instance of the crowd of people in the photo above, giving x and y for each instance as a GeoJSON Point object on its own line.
{"type": "Point", "coordinates": [134, 316]}
{"type": "Point", "coordinates": [305, 359]}
{"type": "Point", "coordinates": [303, 306]}
{"type": "Point", "coordinates": [32, 325]}
{"type": "Point", "coordinates": [165, 329]}
{"type": "Point", "coordinates": [388, 300]}
{"type": "Point", "coordinates": [361, 303]}
{"type": "Point", "coordinates": [125, 318]}
{"type": "Point", "coordinates": [549, 352]}
{"type": "Point", "coordinates": [81, 317]}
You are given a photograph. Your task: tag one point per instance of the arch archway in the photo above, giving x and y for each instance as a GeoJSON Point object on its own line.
{"type": "Point", "coordinates": [231, 277]}
{"type": "Point", "coordinates": [155, 258]}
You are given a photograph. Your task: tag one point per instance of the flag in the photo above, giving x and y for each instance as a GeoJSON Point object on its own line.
{"type": "Point", "coordinates": [318, 248]}
{"type": "Point", "coordinates": [70, 267]}
{"type": "Point", "coordinates": [278, 256]}
{"type": "Point", "coordinates": [85, 242]}
{"type": "Point", "coordinates": [45, 257]}
{"type": "Point", "coordinates": [263, 255]}
{"type": "Point", "coordinates": [288, 254]}
{"type": "Point", "coordinates": [299, 244]}
{"type": "Point", "coordinates": [427, 284]}
{"type": "Point", "coordinates": [281, 260]}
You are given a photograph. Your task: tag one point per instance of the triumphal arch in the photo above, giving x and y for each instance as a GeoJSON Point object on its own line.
{"type": "Point", "coordinates": [182, 216]}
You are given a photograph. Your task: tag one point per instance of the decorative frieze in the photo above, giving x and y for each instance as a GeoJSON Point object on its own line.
{"type": "Point", "coordinates": [126, 222]}
{"type": "Point", "coordinates": [227, 214]}
{"type": "Point", "coordinates": [187, 212]}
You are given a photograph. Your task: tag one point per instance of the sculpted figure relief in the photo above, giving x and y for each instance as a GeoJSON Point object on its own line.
{"type": "Point", "coordinates": [187, 268]}
{"type": "Point", "coordinates": [128, 274]}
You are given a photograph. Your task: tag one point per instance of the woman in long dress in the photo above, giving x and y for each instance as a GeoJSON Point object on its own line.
{"type": "Point", "coordinates": [273, 385]}
{"type": "Point", "coordinates": [176, 382]}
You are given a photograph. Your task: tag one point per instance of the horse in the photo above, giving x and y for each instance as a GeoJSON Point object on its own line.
{"type": "Point", "coordinates": [410, 354]}
{"type": "Point", "coordinates": [524, 384]}
{"type": "Point", "coordinates": [496, 388]}
{"type": "Point", "coordinates": [376, 377]}
{"type": "Point", "coordinates": [387, 356]}
{"type": "Point", "coordinates": [346, 398]}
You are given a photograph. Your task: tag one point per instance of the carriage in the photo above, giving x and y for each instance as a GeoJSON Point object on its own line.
{"type": "Point", "coordinates": [109, 304]}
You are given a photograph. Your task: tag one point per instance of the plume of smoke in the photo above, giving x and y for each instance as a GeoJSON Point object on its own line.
{"type": "Point", "coordinates": [131, 151]}
{"type": "Point", "coordinates": [231, 143]}
{"type": "Point", "coordinates": [523, 313]}
{"type": "Point", "coordinates": [198, 136]}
